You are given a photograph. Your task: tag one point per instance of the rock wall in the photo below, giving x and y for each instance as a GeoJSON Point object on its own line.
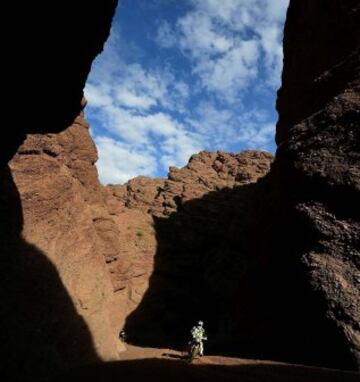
{"type": "Point", "coordinates": [47, 58]}
{"type": "Point", "coordinates": [298, 298]}
{"type": "Point", "coordinates": [54, 228]}
{"type": "Point", "coordinates": [187, 244]}
{"type": "Point", "coordinates": [66, 225]}
{"type": "Point", "coordinates": [318, 168]}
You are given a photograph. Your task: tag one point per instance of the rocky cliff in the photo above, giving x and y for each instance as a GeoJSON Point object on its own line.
{"type": "Point", "coordinates": [54, 228]}
{"type": "Point", "coordinates": [58, 314]}
{"type": "Point", "coordinates": [186, 247]}
{"type": "Point", "coordinates": [295, 275]}
{"type": "Point", "coordinates": [47, 58]}
{"type": "Point", "coordinates": [318, 168]}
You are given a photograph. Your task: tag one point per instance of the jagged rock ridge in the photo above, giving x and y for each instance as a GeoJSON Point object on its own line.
{"type": "Point", "coordinates": [181, 238]}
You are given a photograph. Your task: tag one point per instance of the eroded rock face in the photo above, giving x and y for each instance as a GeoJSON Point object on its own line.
{"type": "Point", "coordinates": [296, 275]}
{"type": "Point", "coordinates": [65, 221]}
{"type": "Point", "coordinates": [319, 161]}
{"type": "Point", "coordinates": [186, 248]}
{"type": "Point", "coordinates": [205, 172]}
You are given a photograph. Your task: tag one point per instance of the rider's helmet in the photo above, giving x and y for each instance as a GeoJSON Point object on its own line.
{"type": "Point", "coordinates": [200, 323]}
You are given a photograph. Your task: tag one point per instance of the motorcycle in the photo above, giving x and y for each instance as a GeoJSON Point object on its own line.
{"type": "Point", "coordinates": [193, 349]}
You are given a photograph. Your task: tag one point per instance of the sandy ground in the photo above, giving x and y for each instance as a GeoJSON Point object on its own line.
{"type": "Point", "coordinates": [148, 364]}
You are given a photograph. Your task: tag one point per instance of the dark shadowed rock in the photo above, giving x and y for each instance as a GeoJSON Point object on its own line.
{"type": "Point", "coordinates": [187, 244]}
{"type": "Point", "coordinates": [287, 248]}
{"type": "Point", "coordinates": [318, 166]}
{"type": "Point", "coordinates": [60, 315]}
{"type": "Point", "coordinates": [47, 58]}
{"type": "Point", "coordinates": [54, 228]}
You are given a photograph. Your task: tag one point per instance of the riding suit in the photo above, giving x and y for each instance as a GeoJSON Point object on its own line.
{"type": "Point", "coordinates": [198, 336]}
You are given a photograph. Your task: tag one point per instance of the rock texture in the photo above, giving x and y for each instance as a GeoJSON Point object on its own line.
{"type": "Point", "coordinates": [65, 220]}
{"type": "Point", "coordinates": [272, 267]}
{"type": "Point", "coordinates": [318, 163]}
{"type": "Point", "coordinates": [186, 247]}
{"type": "Point", "coordinates": [205, 172]}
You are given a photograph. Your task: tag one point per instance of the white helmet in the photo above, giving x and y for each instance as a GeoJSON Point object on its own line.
{"type": "Point", "coordinates": [200, 323]}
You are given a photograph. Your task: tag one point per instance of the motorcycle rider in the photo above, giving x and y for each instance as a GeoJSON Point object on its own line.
{"type": "Point", "coordinates": [198, 336]}
{"type": "Point", "coordinates": [123, 336]}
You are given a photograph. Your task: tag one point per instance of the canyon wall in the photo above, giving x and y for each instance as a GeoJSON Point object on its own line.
{"type": "Point", "coordinates": [318, 170]}
{"type": "Point", "coordinates": [47, 57]}
{"type": "Point", "coordinates": [65, 225]}
{"type": "Point", "coordinates": [187, 249]}
{"type": "Point", "coordinates": [54, 228]}
{"type": "Point", "coordinates": [270, 260]}
{"type": "Point", "coordinates": [287, 246]}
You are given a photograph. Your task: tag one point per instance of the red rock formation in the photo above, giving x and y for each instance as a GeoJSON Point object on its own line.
{"type": "Point", "coordinates": [204, 173]}
{"type": "Point", "coordinates": [65, 220]}
{"type": "Point", "coordinates": [180, 239]}
{"type": "Point", "coordinates": [300, 289]}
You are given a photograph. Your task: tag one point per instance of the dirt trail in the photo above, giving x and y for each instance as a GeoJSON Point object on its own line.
{"type": "Point", "coordinates": [149, 364]}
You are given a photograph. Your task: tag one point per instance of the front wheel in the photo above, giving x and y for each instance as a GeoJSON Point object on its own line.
{"type": "Point", "coordinates": [194, 350]}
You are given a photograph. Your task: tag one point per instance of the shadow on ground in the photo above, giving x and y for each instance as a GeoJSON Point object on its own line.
{"type": "Point", "coordinates": [167, 370]}
{"type": "Point", "coordinates": [232, 259]}
{"type": "Point", "coordinates": [42, 334]}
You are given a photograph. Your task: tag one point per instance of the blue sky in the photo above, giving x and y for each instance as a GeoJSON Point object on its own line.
{"type": "Point", "coordinates": [180, 76]}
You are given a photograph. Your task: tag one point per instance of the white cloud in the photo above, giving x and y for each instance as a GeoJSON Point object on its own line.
{"type": "Point", "coordinates": [232, 71]}
{"type": "Point", "coordinates": [125, 99]}
{"type": "Point", "coordinates": [212, 123]}
{"type": "Point", "coordinates": [98, 95]}
{"type": "Point", "coordinates": [224, 128]}
{"type": "Point", "coordinates": [179, 148]}
{"type": "Point", "coordinates": [227, 42]}
{"type": "Point", "coordinates": [158, 132]}
{"type": "Point", "coordinates": [201, 37]}
{"type": "Point", "coordinates": [165, 36]}
{"type": "Point", "coordinates": [119, 162]}
{"type": "Point", "coordinates": [256, 135]}
{"type": "Point", "coordinates": [153, 116]}
{"type": "Point", "coordinates": [276, 10]}
{"type": "Point", "coordinates": [129, 84]}
{"type": "Point", "coordinates": [129, 98]}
